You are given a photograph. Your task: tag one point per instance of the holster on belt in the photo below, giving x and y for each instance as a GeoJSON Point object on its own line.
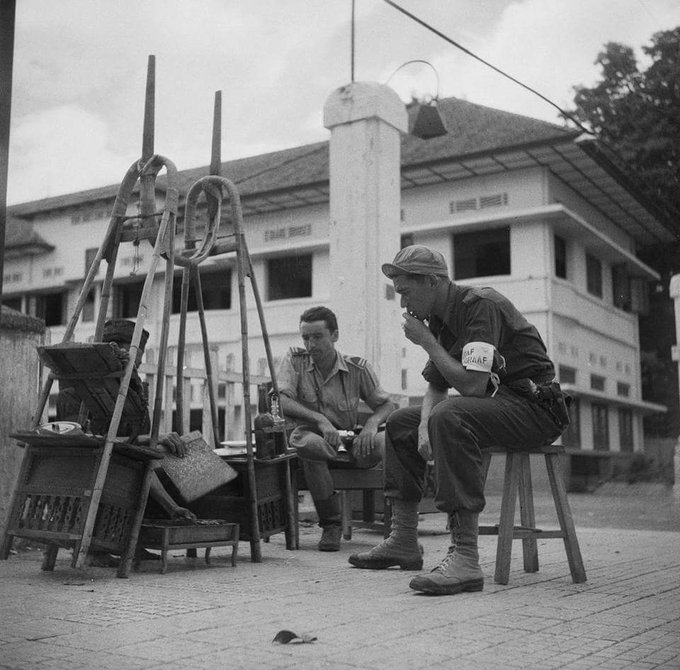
{"type": "Point", "coordinates": [548, 395]}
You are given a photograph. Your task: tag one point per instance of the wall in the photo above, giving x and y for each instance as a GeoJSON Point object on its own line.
{"type": "Point", "coordinates": [19, 389]}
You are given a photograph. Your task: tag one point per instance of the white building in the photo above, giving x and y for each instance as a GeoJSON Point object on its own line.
{"type": "Point", "coordinates": [531, 208]}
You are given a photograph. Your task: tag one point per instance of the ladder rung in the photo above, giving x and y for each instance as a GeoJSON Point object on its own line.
{"type": "Point", "coordinates": [144, 233]}
{"type": "Point", "coordinates": [223, 246]}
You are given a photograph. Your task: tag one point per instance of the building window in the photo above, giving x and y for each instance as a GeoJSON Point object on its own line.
{"type": "Point", "coordinates": [622, 389]}
{"type": "Point", "coordinates": [571, 437]}
{"type": "Point", "coordinates": [51, 307]}
{"type": "Point", "coordinates": [597, 382]}
{"type": "Point", "coordinates": [621, 288]}
{"type": "Point", "coordinates": [481, 254]}
{"type": "Point", "coordinates": [215, 289]}
{"type": "Point", "coordinates": [289, 277]}
{"type": "Point", "coordinates": [127, 299]}
{"type": "Point", "coordinates": [566, 374]}
{"type": "Point", "coordinates": [90, 255]}
{"type": "Point", "coordinates": [12, 303]}
{"type": "Point", "coordinates": [626, 439]}
{"type": "Point", "coordinates": [404, 380]}
{"type": "Point", "coordinates": [406, 240]}
{"type": "Point", "coordinates": [600, 413]}
{"type": "Point", "coordinates": [88, 308]}
{"type": "Point", "coordinates": [593, 275]}
{"type": "Point", "coordinates": [560, 257]}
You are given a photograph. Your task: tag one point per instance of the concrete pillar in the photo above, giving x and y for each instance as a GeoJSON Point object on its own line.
{"type": "Point", "coordinates": [365, 120]}
{"type": "Point", "coordinates": [674, 291]}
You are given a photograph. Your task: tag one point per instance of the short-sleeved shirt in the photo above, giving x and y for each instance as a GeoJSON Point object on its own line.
{"type": "Point", "coordinates": [337, 397]}
{"type": "Point", "coordinates": [484, 331]}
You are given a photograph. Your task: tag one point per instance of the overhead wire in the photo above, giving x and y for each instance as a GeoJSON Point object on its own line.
{"type": "Point", "coordinates": [493, 67]}
{"type": "Point", "coordinates": [613, 150]}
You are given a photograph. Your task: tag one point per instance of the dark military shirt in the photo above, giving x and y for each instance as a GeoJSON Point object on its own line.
{"type": "Point", "coordinates": [337, 397]}
{"type": "Point", "coordinates": [484, 331]}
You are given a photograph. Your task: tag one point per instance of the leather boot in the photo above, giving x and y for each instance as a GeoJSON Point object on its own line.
{"type": "Point", "coordinates": [459, 571]}
{"type": "Point", "coordinates": [330, 522]}
{"type": "Point", "coordinates": [401, 547]}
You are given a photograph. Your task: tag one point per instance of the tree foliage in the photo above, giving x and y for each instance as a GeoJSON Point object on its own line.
{"type": "Point", "coordinates": [636, 112]}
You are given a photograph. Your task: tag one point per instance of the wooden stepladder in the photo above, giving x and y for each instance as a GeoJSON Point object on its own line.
{"type": "Point", "coordinates": [220, 191]}
{"type": "Point", "coordinates": [89, 492]}
{"type": "Point", "coordinates": [67, 515]}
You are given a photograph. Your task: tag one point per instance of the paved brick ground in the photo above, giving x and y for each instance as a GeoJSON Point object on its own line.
{"type": "Point", "coordinates": [627, 615]}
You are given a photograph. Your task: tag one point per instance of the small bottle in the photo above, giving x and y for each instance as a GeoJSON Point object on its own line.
{"type": "Point", "coordinates": [263, 423]}
{"type": "Point", "coordinates": [278, 428]}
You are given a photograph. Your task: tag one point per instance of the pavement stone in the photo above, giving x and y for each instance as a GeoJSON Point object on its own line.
{"type": "Point", "coordinates": [627, 615]}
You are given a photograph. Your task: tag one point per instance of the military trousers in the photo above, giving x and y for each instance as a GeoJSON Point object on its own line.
{"type": "Point", "coordinates": [459, 429]}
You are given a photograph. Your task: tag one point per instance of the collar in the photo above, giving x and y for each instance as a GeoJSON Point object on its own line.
{"type": "Point", "coordinates": [339, 365]}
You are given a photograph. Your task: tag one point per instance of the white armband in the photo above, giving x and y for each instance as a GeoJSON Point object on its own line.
{"type": "Point", "coordinates": [478, 356]}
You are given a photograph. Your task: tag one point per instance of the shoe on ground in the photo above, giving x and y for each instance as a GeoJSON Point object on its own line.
{"type": "Point", "coordinates": [102, 559]}
{"type": "Point", "coordinates": [389, 554]}
{"type": "Point", "coordinates": [330, 538]}
{"type": "Point", "coordinates": [455, 574]}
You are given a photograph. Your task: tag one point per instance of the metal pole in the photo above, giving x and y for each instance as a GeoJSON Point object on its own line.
{"type": "Point", "coordinates": [7, 18]}
{"type": "Point", "coordinates": [352, 44]}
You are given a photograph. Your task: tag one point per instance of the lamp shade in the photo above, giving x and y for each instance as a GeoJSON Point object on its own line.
{"type": "Point", "coordinates": [427, 121]}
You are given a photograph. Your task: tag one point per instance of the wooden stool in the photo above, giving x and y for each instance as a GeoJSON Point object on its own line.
{"type": "Point", "coordinates": [167, 535]}
{"type": "Point", "coordinates": [368, 481]}
{"type": "Point", "coordinates": [518, 482]}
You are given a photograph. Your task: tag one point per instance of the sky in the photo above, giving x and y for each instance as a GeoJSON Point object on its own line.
{"type": "Point", "coordinates": [80, 68]}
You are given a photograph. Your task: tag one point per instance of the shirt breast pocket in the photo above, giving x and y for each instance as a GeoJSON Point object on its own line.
{"type": "Point", "coordinates": [307, 394]}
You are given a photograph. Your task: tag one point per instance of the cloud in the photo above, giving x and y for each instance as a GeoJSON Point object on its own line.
{"type": "Point", "coordinates": [80, 69]}
{"type": "Point", "coordinates": [68, 140]}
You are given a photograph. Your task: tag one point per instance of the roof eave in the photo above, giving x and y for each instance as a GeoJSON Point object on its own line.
{"type": "Point", "coordinates": [598, 153]}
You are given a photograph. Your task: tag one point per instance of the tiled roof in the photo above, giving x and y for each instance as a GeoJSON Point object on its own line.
{"type": "Point", "coordinates": [20, 236]}
{"type": "Point", "coordinates": [480, 140]}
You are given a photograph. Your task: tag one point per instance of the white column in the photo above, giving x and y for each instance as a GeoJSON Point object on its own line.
{"type": "Point", "coordinates": [365, 120]}
{"type": "Point", "coordinates": [674, 291]}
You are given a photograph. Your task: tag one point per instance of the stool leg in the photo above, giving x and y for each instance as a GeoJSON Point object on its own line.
{"type": "Point", "coordinates": [49, 557]}
{"type": "Point", "coordinates": [559, 492]}
{"type": "Point", "coordinates": [507, 520]}
{"type": "Point", "coordinates": [486, 462]}
{"type": "Point", "coordinates": [527, 514]}
{"type": "Point", "coordinates": [164, 551]}
{"type": "Point", "coordinates": [346, 515]}
{"type": "Point", "coordinates": [368, 514]}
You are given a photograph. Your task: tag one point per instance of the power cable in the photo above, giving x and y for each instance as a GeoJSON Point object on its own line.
{"type": "Point", "coordinates": [669, 208]}
{"type": "Point", "coordinates": [493, 67]}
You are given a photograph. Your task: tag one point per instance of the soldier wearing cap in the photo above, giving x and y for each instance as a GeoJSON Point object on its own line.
{"type": "Point", "coordinates": [480, 345]}
{"type": "Point", "coordinates": [320, 389]}
{"type": "Point", "coordinates": [134, 426]}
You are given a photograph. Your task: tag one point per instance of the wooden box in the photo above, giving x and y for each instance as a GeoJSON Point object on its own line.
{"type": "Point", "coordinates": [232, 501]}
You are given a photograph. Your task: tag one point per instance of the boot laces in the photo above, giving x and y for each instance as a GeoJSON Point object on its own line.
{"type": "Point", "coordinates": [447, 561]}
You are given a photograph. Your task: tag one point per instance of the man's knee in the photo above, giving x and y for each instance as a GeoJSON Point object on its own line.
{"type": "Point", "coordinates": [445, 415]}
{"type": "Point", "coordinates": [310, 446]}
{"type": "Point", "coordinates": [376, 456]}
